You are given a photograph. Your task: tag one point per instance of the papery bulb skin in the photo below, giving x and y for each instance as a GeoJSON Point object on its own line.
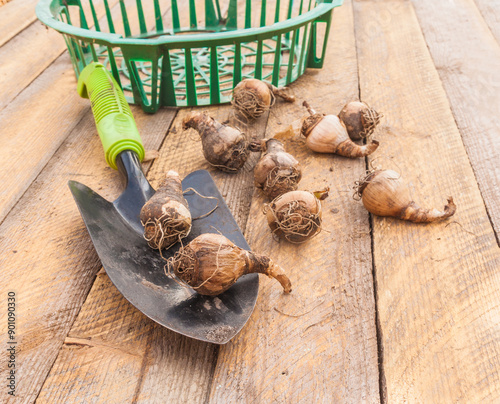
{"type": "Point", "coordinates": [224, 147]}
{"type": "Point", "coordinates": [277, 171]}
{"type": "Point", "coordinates": [165, 216]}
{"type": "Point", "coordinates": [328, 134]}
{"type": "Point", "coordinates": [253, 97]}
{"type": "Point", "coordinates": [360, 120]}
{"type": "Point", "coordinates": [295, 216]}
{"type": "Point", "coordinates": [210, 264]}
{"type": "Point", "coordinates": [384, 193]}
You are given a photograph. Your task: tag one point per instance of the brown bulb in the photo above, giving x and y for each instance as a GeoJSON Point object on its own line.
{"type": "Point", "coordinates": [384, 193]}
{"type": "Point", "coordinates": [359, 119]}
{"type": "Point", "coordinates": [253, 97]}
{"type": "Point", "coordinates": [224, 147]}
{"type": "Point", "coordinates": [277, 171]}
{"type": "Point", "coordinates": [210, 264]}
{"type": "Point", "coordinates": [166, 217]}
{"type": "Point", "coordinates": [296, 215]}
{"type": "Point", "coordinates": [327, 134]}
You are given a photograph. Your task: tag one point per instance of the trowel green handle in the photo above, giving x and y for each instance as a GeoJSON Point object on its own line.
{"type": "Point", "coordinates": [113, 117]}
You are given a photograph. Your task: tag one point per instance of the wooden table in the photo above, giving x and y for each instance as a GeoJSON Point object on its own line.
{"type": "Point", "coordinates": [382, 310]}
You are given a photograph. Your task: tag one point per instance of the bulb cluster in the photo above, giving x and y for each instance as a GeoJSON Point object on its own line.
{"type": "Point", "coordinates": [211, 263]}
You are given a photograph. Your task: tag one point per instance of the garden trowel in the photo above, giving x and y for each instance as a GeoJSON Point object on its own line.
{"type": "Point", "coordinates": [137, 270]}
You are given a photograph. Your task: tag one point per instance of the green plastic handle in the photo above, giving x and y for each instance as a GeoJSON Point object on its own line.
{"type": "Point", "coordinates": [113, 117]}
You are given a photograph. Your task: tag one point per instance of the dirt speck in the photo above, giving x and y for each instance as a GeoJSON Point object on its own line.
{"type": "Point", "coordinates": [220, 334]}
{"type": "Point", "coordinates": [151, 285]}
{"type": "Point", "coordinates": [218, 303]}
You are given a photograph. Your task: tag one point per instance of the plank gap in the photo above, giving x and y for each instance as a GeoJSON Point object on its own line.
{"type": "Point", "coordinates": [144, 365]}
{"type": "Point", "coordinates": [378, 327]}
{"type": "Point", "coordinates": [211, 376]}
{"type": "Point", "coordinates": [452, 84]}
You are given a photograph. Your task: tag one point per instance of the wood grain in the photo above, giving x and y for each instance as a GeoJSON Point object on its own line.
{"type": "Point", "coordinates": [24, 57]}
{"type": "Point", "coordinates": [318, 344]}
{"type": "Point", "coordinates": [47, 256]}
{"type": "Point", "coordinates": [467, 58]}
{"type": "Point", "coordinates": [15, 16]}
{"type": "Point", "coordinates": [105, 348]}
{"type": "Point", "coordinates": [35, 48]}
{"type": "Point", "coordinates": [35, 124]}
{"type": "Point", "coordinates": [186, 364]}
{"type": "Point", "coordinates": [438, 293]}
{"type": "Point", "coordinates": [161, 354]}
{"type": "Point", "coordinates": [189, 364]}
{"type": "Point", "coordinates": [42, 114]}
{"type": "Point", "coordinates": [490, 13]}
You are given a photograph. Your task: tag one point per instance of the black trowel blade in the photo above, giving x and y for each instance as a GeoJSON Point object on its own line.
{"type": "Point", "coordinates": [138, 271]}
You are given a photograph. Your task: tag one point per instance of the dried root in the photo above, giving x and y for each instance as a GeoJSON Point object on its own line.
{"type": "Point", "coordinates": [166, 217]}
{"type": "Point", "coordinates": [280, 181]}
{"type": "Point", "coordinates": [252, 97]}
{"type": "Point", "coordinates": [296, 215]}
{"type": "Point", "coordinates": [277, 171]}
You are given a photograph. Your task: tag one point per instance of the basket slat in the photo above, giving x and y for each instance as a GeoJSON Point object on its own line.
{"type": "Point", "coordinates": [248, 14]}
{"type": "Point", "coordinates": [109, 17]}
{"type": "Point", "coordinates": [190, 81]}
{"type": "Point", "coordinates": [142, 20]}
{"type": "Point", "coordinates": [94, 16]}
{"type": "Point", "coordinates": [277, 62]}
{"type": "Point", "coordinates": [167, 89]}
{"type": "Point", "coordinates": [232, 15]}
{"type": "Point", "coordinates": [158, 17]}
{"type": "Point", "coordinates": [175, 16]}
{"type": "Point", "coordinates": [214, 77]}
{"type": "Point", "coordinates": [126, 24]}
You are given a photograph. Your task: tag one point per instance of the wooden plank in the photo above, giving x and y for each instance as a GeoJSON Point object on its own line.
{"type": "Point", "coordinates": [109, 332]}
{"type": "Point", "coordinates": [438, 284]}
{"type": "Point", "coordinates": [29, 53]}
{"type": "Point", "coordinates": [39, 118]}
{"type": "Point", "coordinates": [24, 57]}
{"type": "Point", "coordinates": [318, 344]}
{"type": "Point", "coordinates": [14, 17]}
{"type": "Point", "coordinates": [35, 125]}
{"type": "Point", "coordinates": [490, 11]}
{"type": "Point", "coordinates": [48, 258]}
{"type": "Point", "coordinates": [467, 57]}
{"type": "Point", "coordinates": [163, 354]}
{"type": "Point", "coordinates": [186, 363]}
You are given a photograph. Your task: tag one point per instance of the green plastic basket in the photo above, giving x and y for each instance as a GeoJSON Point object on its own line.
{"type": "Point", "coordinates": [191, 52]}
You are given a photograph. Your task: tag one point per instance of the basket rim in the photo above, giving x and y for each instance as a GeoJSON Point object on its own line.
{"type": "Point", "coordinates": [44, 12]}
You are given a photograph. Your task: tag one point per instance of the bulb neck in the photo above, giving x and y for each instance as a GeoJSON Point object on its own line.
{"type": "Point", "coordinates": [273, 146]}
{"type": "Point", "coordinates": [310, 123]}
